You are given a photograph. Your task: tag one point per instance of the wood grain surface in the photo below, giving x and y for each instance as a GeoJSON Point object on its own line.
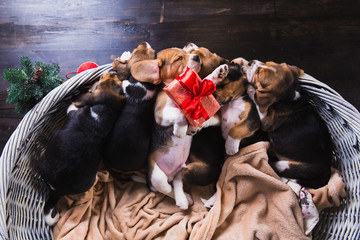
{"type": "Point", "coordinates": [322, 37]}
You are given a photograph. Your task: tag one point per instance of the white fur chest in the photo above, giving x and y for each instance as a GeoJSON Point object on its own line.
{"type": "Point", "coordinates": [230, 115]}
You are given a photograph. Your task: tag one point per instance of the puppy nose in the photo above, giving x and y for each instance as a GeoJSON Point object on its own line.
{"type": "Point", "coordinates": [250, 62]}
{"type": "Point", "coordinates": [196, 58]}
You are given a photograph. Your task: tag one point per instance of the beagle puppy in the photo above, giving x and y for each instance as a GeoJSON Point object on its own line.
{"type": "Point", "coordinates": [123, 64]}
{"type": "Point", "coordinates": [207, 151]}
{"type": "Point", "coordinates": [127, 146]}
{"type": "Point", "coordinates": [299, 139]}
{"type": "Point", "coordinates": [70, 161]}
{"type": "Point", "coordinates": [240, 119]}
{"type": "Point", "coordinates": [209, 60]}
{"type": "Point", "coordinates": [170, 144]}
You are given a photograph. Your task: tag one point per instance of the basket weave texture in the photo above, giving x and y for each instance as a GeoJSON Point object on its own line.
{"type": "Point", "coordinates": [22, 192]}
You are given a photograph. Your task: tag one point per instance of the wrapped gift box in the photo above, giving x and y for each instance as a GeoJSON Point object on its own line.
{"type": "Point", "coordinates": [193, 96]}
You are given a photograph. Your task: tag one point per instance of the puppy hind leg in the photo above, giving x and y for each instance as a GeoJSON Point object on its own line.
{"type": "Point", "coordinates": [159, 181]}
{"type": "Point", "coordinates": [209, 203]}
{"type": "Point", "coordinates": [182, 199]}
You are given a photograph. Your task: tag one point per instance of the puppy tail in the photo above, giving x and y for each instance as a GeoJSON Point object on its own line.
{"type": "Point", "coordinates": [50, 211]}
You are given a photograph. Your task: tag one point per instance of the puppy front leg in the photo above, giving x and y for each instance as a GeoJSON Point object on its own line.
{"type": "Point", "coordinates": [180, 127]}
{"type": "Point", "coordinates": [173, 116]}
{"type": "Point", "coordinates": [182, 199]}
{"type": "Point", "coordinates": [232, 145]}
{"type": "Point", "coordinates": [213, 121]}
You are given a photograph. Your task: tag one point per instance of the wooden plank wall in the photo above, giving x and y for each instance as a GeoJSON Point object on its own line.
{"type": "Point", "coordinates": [322, 36]}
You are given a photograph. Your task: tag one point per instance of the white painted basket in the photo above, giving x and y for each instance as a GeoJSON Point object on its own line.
{"type": "Point", "coordinates": [22, 192]}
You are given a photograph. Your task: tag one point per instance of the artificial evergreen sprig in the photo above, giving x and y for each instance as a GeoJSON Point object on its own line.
{"type": "Point", "coordinates": [29, 84]}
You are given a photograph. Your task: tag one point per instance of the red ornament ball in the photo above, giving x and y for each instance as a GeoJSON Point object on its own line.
{"type": "Point", "coordinates": [83, 67]}
{"type": "Point", "coordinates": [86, 66]}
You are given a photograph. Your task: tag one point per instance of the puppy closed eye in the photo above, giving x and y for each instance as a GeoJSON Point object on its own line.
{"type": "Point", "coordinates": [263, 85]}
{"type": "Point", "coordinates": [178, 58]}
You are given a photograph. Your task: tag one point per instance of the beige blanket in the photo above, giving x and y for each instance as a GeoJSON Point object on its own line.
{"type": "Point", "coordinates": [252, 203]}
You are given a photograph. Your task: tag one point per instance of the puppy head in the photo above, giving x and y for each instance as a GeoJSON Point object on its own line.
{"type": "Point", "coordinates": [209, 60]}
{"type": "Point", "coordinates": [107, 89]}
{"type": "Point", "coordinates": [233, 86]}
{"type": "Point", "coordinates": [271, 81]}
{"type": "Point", "coordinates": [169, 64]}
{"type": "Point", "coordinates": [123, 64]}
{"type": "Point", "coordinates": [136, 91]}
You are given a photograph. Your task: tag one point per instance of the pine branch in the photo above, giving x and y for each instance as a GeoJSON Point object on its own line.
{"type": "Point", "coordinates": [29, 84]}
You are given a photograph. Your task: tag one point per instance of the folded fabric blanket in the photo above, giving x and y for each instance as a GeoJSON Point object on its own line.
{"type": "Point", "coordinates": [252, 203]}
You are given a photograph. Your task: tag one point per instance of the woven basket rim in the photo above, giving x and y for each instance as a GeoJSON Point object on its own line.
{"type": "Point", "coordinates": [13, 151]}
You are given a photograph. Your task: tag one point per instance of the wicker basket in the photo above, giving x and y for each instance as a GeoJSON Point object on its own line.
{"type": "Point", "coordinates": [22, 192]}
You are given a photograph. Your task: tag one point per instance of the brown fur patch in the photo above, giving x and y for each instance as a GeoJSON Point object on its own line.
{"type": "Point", "coordinates": [108, 88]}
{"type": "Point", "coordinates": [209, 60]}
{"type": "Point", "coordinates": [272, 81]}
{"type": "Point", "coordinates": [249, 123]}
{"type": "Point", "coordinates": [142, 52]}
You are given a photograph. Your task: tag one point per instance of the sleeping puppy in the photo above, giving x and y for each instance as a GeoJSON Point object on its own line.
{"type": "Point", "coordinates": [170, 144]}
{"type": "Point", "coordinates": [240, 119]}
{"type": "Point", "coordinates": [298, 137]}
{"type": "Point", "coordinates": [128, 145]}
{"type": "Point", "coordinates": [70, 161]}
{"type": "Point", "coordinates": [209, 60]}
{"type": "Point", "coordinates": [123, 64]}
{"type": "Point", "coordinates": [207, 151]}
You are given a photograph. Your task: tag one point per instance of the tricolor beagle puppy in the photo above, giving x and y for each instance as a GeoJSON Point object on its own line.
{"type": "Point", "coordinates": [128, 145]}
{"type": "Point", "coordinates": [123, 64]}
{"type": "Point", "coordinates": [207, 151]}
{"type": "Point", "coordinates": [170, 144]}
{"type": "Point", "coordinates": [298, 136]}
{"type": "Point", "coordinates": [240, 119]}
{"type": "Point", "coordinates": [70, 161]}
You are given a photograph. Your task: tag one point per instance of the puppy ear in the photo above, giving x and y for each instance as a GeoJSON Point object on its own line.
{"type": "Point", "coordinates": [82, 100]}
{"type": "Point", "coordinates": [264, 100]}
{"type": "Point", "coordinates": [121, 67]}
{"type": "Point", "coordinates": [296, 72]}
{"type": "Point", "coordinates": [85, 98]}
{"type": "Point", "coordinates": [147, 71]}
{"type": "Point", "coordinates": [223, 61]}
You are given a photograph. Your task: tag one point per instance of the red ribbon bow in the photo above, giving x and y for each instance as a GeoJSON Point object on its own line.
{"type": "Point", "coordinates": [191, 81]}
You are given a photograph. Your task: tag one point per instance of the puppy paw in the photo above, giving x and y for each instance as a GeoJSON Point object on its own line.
{"type": "Point", "coordinates": [219, 73]}
{"type": "Point", "coordinates": [180, 130]}
{"type": "Point", "coordinates": [191, 130]}
{"type": "Point", "coordinates": [190, 47]}
{"type": "Point", "coordinates": [232, 146]}
{"type": "Point", "coordinates": [222, 71]}
{"type": "Point", "coordinates": [209, 203]}
{"type": "Point", "coordinates": [52, 217]}
{"type": "Point", "coordinates": [182, 202]}
{"type": "Point", "coordinates": [125, 56]}
{"type": "Point", "coordinates": [165, 188]}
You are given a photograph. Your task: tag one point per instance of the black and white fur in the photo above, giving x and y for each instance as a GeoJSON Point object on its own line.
{"type": "Point", "coordinates": [128, 144]}
{"type": "Point", "coordinates": [71, 159]}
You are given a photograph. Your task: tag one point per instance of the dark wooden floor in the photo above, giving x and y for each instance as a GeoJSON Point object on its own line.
{"type": "Point", "coordinates": [322, 37]}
